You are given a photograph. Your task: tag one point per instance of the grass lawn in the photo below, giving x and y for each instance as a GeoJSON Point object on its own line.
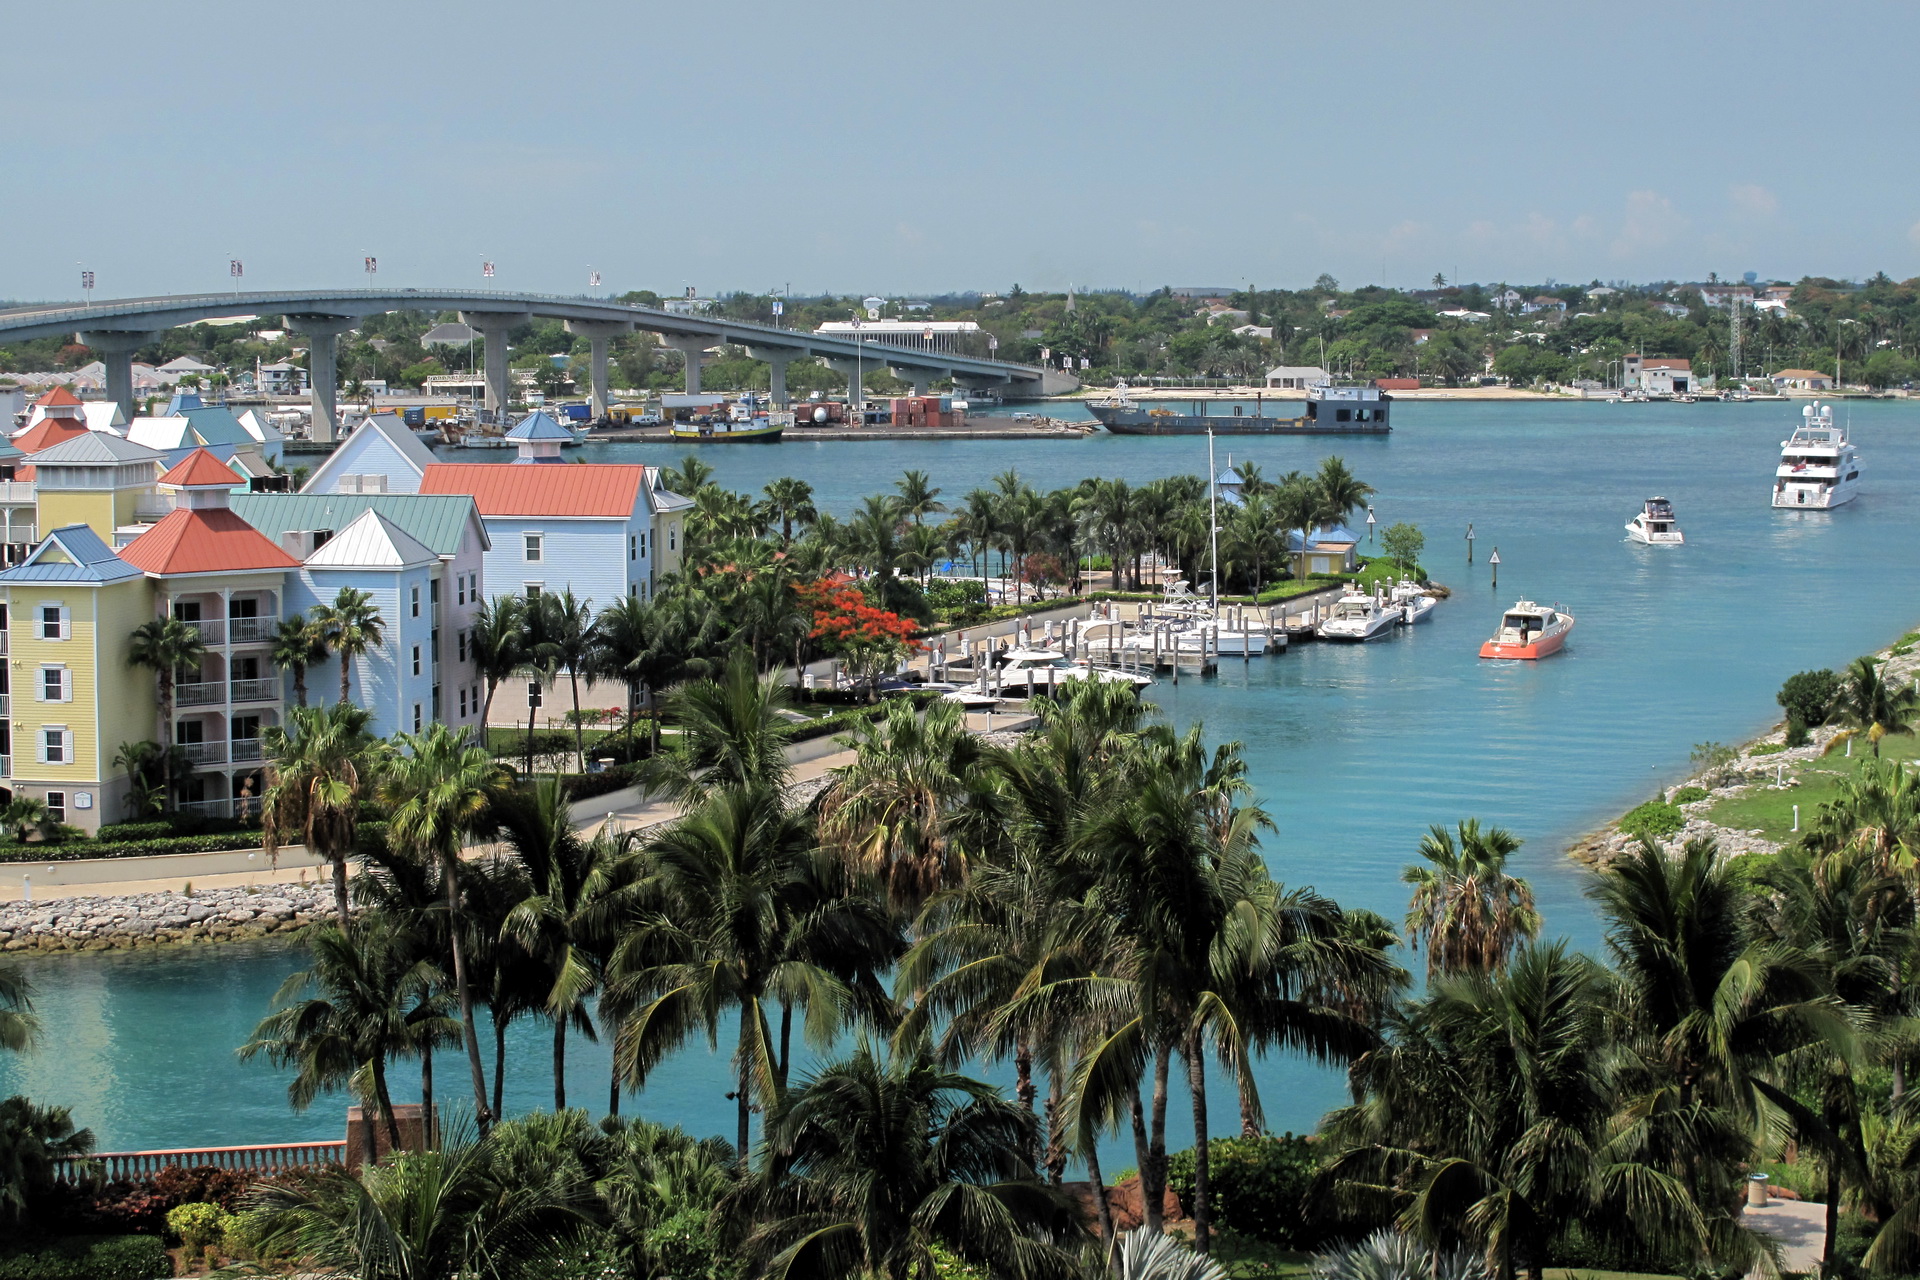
{"type": "Point", "coordinates": [1770, 811]}
{"type": "Point", "coordinates": [504, 741]}
{"type": "Point", "coordinates": [1582, 1273]}
{"type": "Point", "coordinates": [1245, 1258]}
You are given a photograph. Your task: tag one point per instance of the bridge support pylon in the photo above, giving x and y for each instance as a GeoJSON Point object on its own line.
{"type": "Point", "coordinates": [777, 360]}
{"type": "Point", "coordinates": [115, 349]}
{"type": "Point", "coordinates": [692, 346]}
{"type": "Point", "coordinates": [493, 327]}
{"type": "Point", "coordinates": [323, 347]}
{"type": "Point", "coordinates": [598, 334]}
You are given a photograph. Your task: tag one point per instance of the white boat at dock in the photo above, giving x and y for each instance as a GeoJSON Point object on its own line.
{"type": "Point", "coordinates": [1414, 601]}
{"type": "Point", "coordinates": [1015, 672]}
{"type": "Point", "coordinates": [1360, 617]}
{"type": "Point", "coordinates": [1653, 525]}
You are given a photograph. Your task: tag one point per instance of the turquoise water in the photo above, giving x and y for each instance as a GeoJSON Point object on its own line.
{"type": "Point", "coordinates": [1355, 750]}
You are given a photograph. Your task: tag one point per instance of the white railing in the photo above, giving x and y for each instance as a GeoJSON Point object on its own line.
{"type": "Point", "coordinates": [153, 508]}
{"type": "Point", "coordinates": [248, 630]}
{"type": "Point", "coordinates": [207, 808]}
{"type": "Point", "coordinates": [6, 704]}
{"type": "Point", "coordinates": [17, 491]}
{"type": "Point", "coordinates": [276, 1158]}
{"type": "Point", "coordinates": [199, 694]}
{"type": "Point", "coordinates": [204, 753]}
{"type": "Point", "coordinates": [210, 629]}
{"type": "Point", "coordinates": [6, 766]}
{"type": "Point", "coordinates": [256, 691]}
{"type": "Point", "coordinates": [246, 750]}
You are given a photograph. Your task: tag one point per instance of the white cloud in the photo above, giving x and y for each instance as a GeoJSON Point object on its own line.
{"type": "Point", "coordinates": [1753, 199]}
{"type": "Point", "coordinates": [1651, 222]}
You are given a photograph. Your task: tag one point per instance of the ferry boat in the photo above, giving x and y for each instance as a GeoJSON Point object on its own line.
{"type": "Point", "coordinates": [1529, 630]}
{"type": "Point", "coordinates": [1653, 525]}
{"type": "Point", "coordinates": [1359, 617]}
{"type": "Point", "coordinates": [1330, 411]}
{"type": "Point", "coordinates": [1818, 469]}
{"type": "Point", "coordinates": [735, 429]}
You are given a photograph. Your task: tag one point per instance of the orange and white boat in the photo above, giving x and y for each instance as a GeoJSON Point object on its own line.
{"type": "Point", "coordinates": [1529, 630]}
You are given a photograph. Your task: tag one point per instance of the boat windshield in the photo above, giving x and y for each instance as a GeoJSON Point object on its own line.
{"type": "Point", "coordinates": [1660, 509]}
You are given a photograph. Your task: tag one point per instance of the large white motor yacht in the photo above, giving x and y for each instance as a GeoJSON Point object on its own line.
{"type": "Point", "coordinates": [1653, 525]}
{"type": "Point", "coordinates": [1819, 469]}
{"type": "Point", "coordinates": [1358, 616]}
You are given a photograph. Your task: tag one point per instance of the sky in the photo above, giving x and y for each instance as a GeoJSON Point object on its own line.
{"type": "Point", "coordinates": [858, 147]}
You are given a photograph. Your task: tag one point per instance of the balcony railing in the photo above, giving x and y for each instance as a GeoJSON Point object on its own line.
{"type": "Point", "coordinates": [199, 694]}
{"type": "Point", "coordinates": [207, 808]}
{"type": "Point", "coordinates": [211, 630]}
{"type": "Point", "coordinates": [256, 691]}
{"type": "Point", "coordinates": [16, 491]}
{"type": "Point", "coordinates": [6, 766]}
{"type": "Point", "coordinates": [204, 752]}
{"type": "Point", "coordinates": [246, 750]}
{"type": "Point", "coordinates": [266, 1160]}
{"type": "Point", "coordinates": [251, 630]}
{"type": "Point", "coordinates": [6, 704]}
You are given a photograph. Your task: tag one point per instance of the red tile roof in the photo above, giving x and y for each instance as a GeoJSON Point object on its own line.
{"type": "Point", "coordinates": [198, 468]}
{"type": "Point", "coordinates": [47, 433]}
{"type": "Point", "coordinates": [58, 395]}
{"type": "Point", "coordinates": [210, 541]}
{"type": "Point", "coordinates": [605, 490]}
{"type": "Point", "coordinates": [1668, 364]}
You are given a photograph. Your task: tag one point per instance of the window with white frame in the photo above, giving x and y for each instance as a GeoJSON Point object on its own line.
{"type": "Point", "coordinates": [673, 537]}
{"type": "Point", "coordinates": [460, 588]}
{"type": "Point", "coordinates": [56, 806]}
{"type": "Point", "coordinates": [413, 601]}
{"type": "Point", "coordinates": [416, 659]}
{"type": "Point", "coordinates": [56, 744]}
{"type": "Point", "coordinates": [55, 684]}
{"type": "Point", "coordinates": [533, 590]}
{"type": "Point", "coordinates": [416, 717]}
{"type": "Point", "coordinates": [536, 547]}
{"type": "Point", "coordinates": [55, 622]}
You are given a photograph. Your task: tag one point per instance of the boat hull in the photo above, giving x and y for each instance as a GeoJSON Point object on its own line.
{"type": "Point", "coordinates": [1141, 422]}
{"type": "Point", "coordinates": [1359, 635]}
{"type": "Point", "coordinates": [758, 435]}
{"type": "Point", "coordinates": [1804, 498]}
{"type": "Point", "coordinates": [1549, 643]}
{"type": "Point", "coordinates": [1636, 534]}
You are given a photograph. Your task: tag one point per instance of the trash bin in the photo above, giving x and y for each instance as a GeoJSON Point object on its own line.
{"type": "Point", "coordinates": [1757, 1190]}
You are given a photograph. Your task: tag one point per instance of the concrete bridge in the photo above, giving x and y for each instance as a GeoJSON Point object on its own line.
{"type": "Point", "coordinates": [116, 329]}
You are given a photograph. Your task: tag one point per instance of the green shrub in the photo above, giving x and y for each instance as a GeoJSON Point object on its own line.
{"type": "Point", "coordinates": [1687, 795]}
{"type": "Point", "coordinates": [77, 850]}
{"type": "Point", "coordinates": [197, 1225]}
{"type": "Point", "coordinates": [88, 1258]}
{"type": "Point", "coordinates": [1797, 735]}
{"type": "Point", "coordinates": [1768, 749]}
{"type": "Point", "coordinates": [1810, 696]}
{"type": "Point", "coordinates": [136, 831]}
{"type": "Point", "coordinates": [1258, 1187]}
{"type": "Point", "coordinates": [1652, 820]}
{"type": "Point", "coordinates": [945, 594]}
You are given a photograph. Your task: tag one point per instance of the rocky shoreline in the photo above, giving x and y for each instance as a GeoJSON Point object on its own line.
{"type": "Point", "coordinates": [155, 919]}
{"type": "Point", "coordinates": [1773, 770]}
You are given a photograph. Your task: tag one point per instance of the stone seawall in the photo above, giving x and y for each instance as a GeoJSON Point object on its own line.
{"type": "Point", "coordinates": [150, 919]}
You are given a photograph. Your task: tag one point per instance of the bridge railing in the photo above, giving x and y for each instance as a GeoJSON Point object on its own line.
{"type": "Point", "coordinates": [267, 1159]}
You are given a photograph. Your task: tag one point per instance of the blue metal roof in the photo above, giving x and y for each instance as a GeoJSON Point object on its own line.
{"type": "Point", "coordinates": [73, 553]}
{"type": "Point", "coordinates": [538, 426]}
{"type": "Point", "coordinates": [181, 402]}
{"type": "Point", "coordinates": [216, 424]}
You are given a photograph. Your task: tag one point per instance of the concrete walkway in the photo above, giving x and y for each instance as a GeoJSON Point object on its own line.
{"type": "Point", "coordinates": [1798, 1227]}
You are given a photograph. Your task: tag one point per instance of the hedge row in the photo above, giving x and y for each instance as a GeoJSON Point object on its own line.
{"type": "Point", "coordinates": [79, 850]}
{"type": "Point", "coordinates": [87, 1258]}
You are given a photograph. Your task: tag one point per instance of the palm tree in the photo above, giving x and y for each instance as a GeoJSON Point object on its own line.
{"type": "Point", "coordinates": [921, 547]}
{"type": "Point", "coordinates": [790, 502]}
{"type": "Point", "coordinates": [1298, 508]}
{"type": "Point", "coordinates": [1872, 706]}
{"type": "Point", "coordinates": [1471, 914]}
{"type": "Point", "coordinates": [893, 811]}
{"type": "Point", "coordinates": [437, 791]}
{"type": "Point", "coordinates": [688, 479]}
{"type": "Point", "coordinates": [731, 735]}
{"type": "Point", "coordinates": [166, 646]}
{"type": "Point", "coordinates": [719, 935]}
{"type": "Point", "coordinates": [569, 921]}
{"type": "Point", "coordinates": [34, 1142]}
{"type": "Point", "coordinates": [18, 1026]}
{"type": "Point", "coordinates": [872, 1164]}
{"type": "Point", "coordinates": [351, 626]}
{"type": "Point", "coordinates": [650, 644]}
{"type": "Point", "coordinates": [495, 644]}
{"type": "Point", "coordinates": [321, 767]}
{"type": "Point", "coordinates": [1339, 491]}
{"type": "Point", "coordinates": [25, 815]}
{"type": "Point", "coordinates": [368, 985]}
{"type": "Point", "coordinates": [572, 634]}
{"type": "Point", "coordinates": [297, 645]}
{"type": "Point", "coordinates": [917, 496]}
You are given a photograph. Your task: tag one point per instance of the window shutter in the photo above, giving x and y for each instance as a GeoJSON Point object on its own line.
{"type": "Point", "coordinates": [66, 623]}
{"type": "Point", "coordinates": [40, 746]}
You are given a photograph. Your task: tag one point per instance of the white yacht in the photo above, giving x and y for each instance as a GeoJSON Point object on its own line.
{"type": "Point", "coordinates": [1016, 670]}
{"type": "Point", "coordinates": [1818, 468]}
{"type": "Point", "coordinates": [1413, 601]}
{"type": "Point", "coordinates": [1357, 616]}
{"type": "Point", "coordinates": [1653, 525]}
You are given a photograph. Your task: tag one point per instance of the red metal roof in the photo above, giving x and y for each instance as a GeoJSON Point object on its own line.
{"type": "Point", "coordinates": [606, 490]}
{"type": "Point", "coordinates": [49, 432]}
{"type": "Point", "coordinates": [58, 395]}
{"type": "Point", "coordinates": [210, 541]}
{"type": "Point", "coordinates": [198, 468]}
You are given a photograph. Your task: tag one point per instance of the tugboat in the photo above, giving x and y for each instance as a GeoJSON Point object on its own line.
{"type": "Point", "coordinates": [1331, 411]}
{"type": "Point", "coordinates": [1818, 469]}
{"type": "Point", "coordinates": [1529, 631]}
{"type": "Point", "coordinates": [1654, 526]}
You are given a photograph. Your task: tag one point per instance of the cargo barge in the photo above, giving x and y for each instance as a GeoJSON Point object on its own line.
{"type": "Point", "coordinates": [1330, 411]}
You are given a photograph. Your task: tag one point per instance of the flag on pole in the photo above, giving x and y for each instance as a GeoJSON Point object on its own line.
{"type": "Point", "coordinates": [486, 269]}
{"type": "Point", "coordinates": [778, 309]}
{"type": "Point", "coordinates": [593, 280]}
{"type": "Point", "coordinates": [234, 268]}
{"type": "Point", "coordinates": [373, 265]}
{"type": "Point", "coordinates": [86, 281]}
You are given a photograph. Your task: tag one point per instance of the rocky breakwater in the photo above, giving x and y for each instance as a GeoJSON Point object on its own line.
{"type": "Point", "coordinates": [151, 919]}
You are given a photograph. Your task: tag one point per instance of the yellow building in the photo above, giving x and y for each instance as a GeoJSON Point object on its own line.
{"type": "Point", "coordinates": [72, 698]}
{"type": "Point", "coordinates": [101, 481]}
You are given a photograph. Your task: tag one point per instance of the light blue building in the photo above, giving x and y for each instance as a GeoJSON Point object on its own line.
{"type": "Point", "coordinates": [381, 456]}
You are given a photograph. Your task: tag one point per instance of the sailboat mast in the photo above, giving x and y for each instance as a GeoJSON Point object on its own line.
{"type": "Point", "coordinates": [1213, 518]}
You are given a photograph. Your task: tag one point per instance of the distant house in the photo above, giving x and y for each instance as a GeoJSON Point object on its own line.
{"type": "Point", "coordinates": [380, 456]}
{"type": "Point", "coordinates": [183, 367]}
{"type": "Point", "coordinates": [1725, 295]}
{"type": "Point", "coordinates": [1419, 335]}
{"type": "Point", "coordinates": [1675, 309]}
{"type": "Point", "coordinates": [1802, 380]}
{"type": "Point", "coordinates": [1658, 376]}
{"type": "Point", "coordinates": [1782, 293]}
{"type": "Point", "coordinates": [1777, 306]}
{"type": "Point", "coordinates": [1329, 549]}
{"type": "Point", "coordinates": [1469, 317]}
{"type": "Point", "coordinates": [283, 379]}
{"type": "Point", "coordinates": [1544, 302]}
{"type": "Point", "coordinates": [450, 334]}
{"type": "Point", "coordinates": [1600, 291]}
{"type": "Point", "coordinates": [1226, 315]}
{"type": "Point", "coordinates": [1263, 331]}
{"type": "Point", "coordinates": [1506, 299]}
{"type": "Point", "coordinates": [1294, 377]}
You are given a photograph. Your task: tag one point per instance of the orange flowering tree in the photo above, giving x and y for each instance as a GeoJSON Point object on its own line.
{"type": "Point", "coordinates": [869, 642]}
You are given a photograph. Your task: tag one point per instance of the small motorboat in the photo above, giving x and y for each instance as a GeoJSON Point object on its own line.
{"type": "Point", "coordinates": [1653, 525]}
{"type": "Point", "coordinates": [1044, 670]}
{"type": "Point", "coordinates": [1413, 601]}
{"type": "Point", "coordinates": [1529, 631]}
{"type": "Point", "coordinates": [1357, 616]}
